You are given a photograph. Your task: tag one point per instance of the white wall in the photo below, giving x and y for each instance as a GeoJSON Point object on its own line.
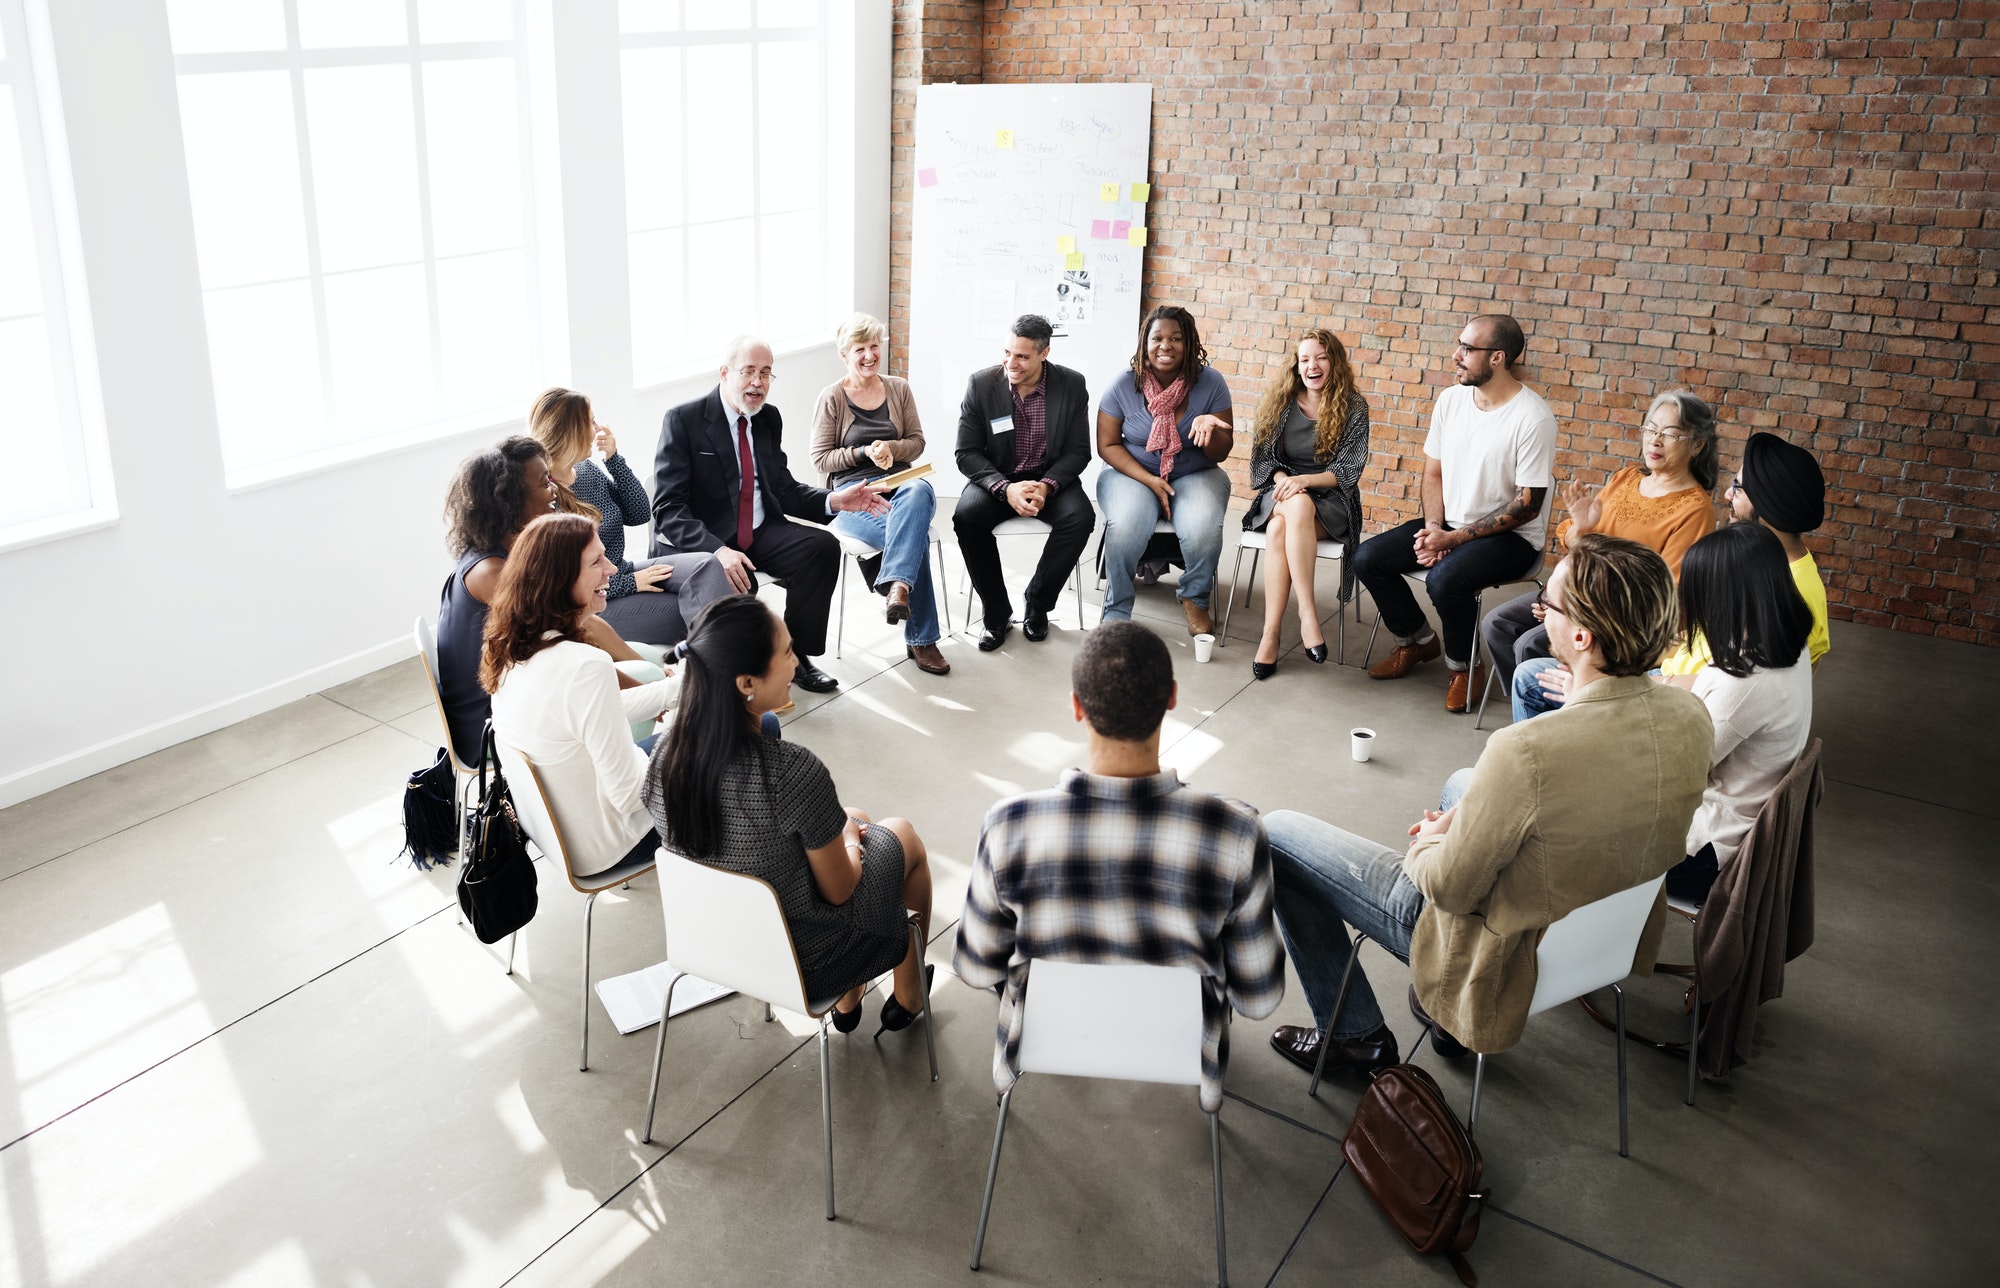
{"type": "Point", "coordinates": [200, 607]}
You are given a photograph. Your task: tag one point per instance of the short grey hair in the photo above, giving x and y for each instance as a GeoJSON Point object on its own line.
{"type": "Point", "coordinates": [859, 328]}
{"type": "Point", "coordinates": [736, 347]}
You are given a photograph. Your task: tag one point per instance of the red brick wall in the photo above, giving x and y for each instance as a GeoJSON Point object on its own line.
{"type": "Point", "coordinates": [1789, 207]}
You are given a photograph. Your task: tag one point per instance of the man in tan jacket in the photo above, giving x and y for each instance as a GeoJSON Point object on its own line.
{"type": "Point", "coordinates": [1558, 813]}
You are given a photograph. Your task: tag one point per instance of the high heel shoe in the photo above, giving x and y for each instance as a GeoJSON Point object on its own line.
{"type": "Point", "coordinates": [847, 1021]}
{"type": "Point", "coordinates": [895, 1018]}
{"type": "Point", "coordinates": [1263, 670]}
{"type": "Point", "coordinates": [1317, 652]}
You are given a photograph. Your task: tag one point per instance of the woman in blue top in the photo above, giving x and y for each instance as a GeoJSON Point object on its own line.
{"type": "Point", "coordinates": [1164, 430]}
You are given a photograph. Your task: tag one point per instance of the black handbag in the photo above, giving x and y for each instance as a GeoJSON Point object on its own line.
{"type": "Point", "coordinates": [430, 815]}
{"type": "Point", "coordinates": [496, 883]}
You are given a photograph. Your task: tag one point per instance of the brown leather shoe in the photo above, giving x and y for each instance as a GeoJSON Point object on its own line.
{"type": "Point", "coordinates": [928, 658]}
{"type": "Point", "coordinates": [1464, 684]}
{"type": "Point", "coordinates": [1349, 1055]}
{"type": "Point", "coordinates": [1198, 620]}
{"type": "Point", "coordinates": [899, 603]}
{"type": "Point", "coordinates": [1404, 658]}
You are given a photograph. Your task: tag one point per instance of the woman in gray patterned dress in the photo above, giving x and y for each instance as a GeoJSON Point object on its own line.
{"type": "Point", "coordinates": [722, 793]}
{"type": "Point", "coordinates": [1308, 447]}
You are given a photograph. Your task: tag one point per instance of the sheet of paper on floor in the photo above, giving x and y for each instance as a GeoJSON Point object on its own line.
{"type": "Point", "coordinates": [633, 1001]}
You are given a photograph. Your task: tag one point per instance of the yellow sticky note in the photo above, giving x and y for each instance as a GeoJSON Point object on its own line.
{"type": "Point", "coordinates": [1003, 138]}
{"type": "Point", "coordinates": [1074, 260]}
{"type": "Point", "coordinates": [1141, 191]}
{"type": "Point", "coordinates": [1135, 237]}
{"type": "Point", "coordinates": [1107, 192]}
{"type": "Point", "coordinates": [1066, 245]}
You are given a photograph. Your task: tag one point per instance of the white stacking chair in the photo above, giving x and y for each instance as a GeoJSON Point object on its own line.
{"type": "Point", "coordinates": [1589, 949]}
{"type": "Point", "coordinates": [1256, 544]}
{"type": "Point", "coordinates": [855, 549]}
{"type": "Point", "coordinates": [1022, 525]}
{"type": "Point", "coordinates": [727, 928]}
{"type": "Point", "coordinates": [1133, 1022]}
{"type": "Point", "coordinates": [538, 819]}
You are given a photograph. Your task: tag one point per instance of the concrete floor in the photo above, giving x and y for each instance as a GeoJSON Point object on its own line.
{"type": "Point", "coordinates": [245, 1045]}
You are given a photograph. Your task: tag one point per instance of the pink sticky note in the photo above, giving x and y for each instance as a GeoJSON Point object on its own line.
{"type": "Point", "coordinates": [1100, 228]}
{"type": "Point", "coordinates": [927, 178]}
{"type": "Point", "coordinates": [1120, 227]}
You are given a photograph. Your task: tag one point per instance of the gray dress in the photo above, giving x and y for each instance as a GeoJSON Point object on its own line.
{"type": "Point", "coordinates": [1291, 450]}
{"type": "Point", "coordinates": [778, 802]}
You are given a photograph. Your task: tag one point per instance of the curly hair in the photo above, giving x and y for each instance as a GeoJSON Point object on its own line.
{"type": "Point", "coordinates": [1193, 356]}
{"type": "Point", "coordinates": [1124, 677]}
{"type": "Point", "coordinates": [561, 422]}
{"type": "Point", "coordinates": [1286, 385]}
{"type": "Point", "coordinates": [482, 511]}
{"type": "Point", "coordinates": [534, 597]}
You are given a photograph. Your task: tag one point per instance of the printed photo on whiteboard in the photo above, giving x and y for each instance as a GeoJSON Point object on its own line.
{"type": "Point", "coordinates": [1072, 296]}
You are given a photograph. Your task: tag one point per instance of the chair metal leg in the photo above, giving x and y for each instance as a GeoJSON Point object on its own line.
{"type": "Point", "coordinates": [992, 1170]}
{"type": "Point", "coordinates": [1339, 1000]}
{"type": "Point", "coordinates": [840, 597]}
{"type": "Point", "coordinates": [770, 1013]}
{"type": "Point", "coordinates": [1694, 1036]}
{"type": "Point", "coordinates": [1492, 673]}
{"type": "Point", "coordinates": [583, 1048]}
{"type": "Point", "coordinates": [930, 1034]}
{"type": "Point", "coordinates": [659, 1056]}
{"type": "Point", "coordinates": [1076, 582]}
{"type": "Point", "coordinates": [515, 938]}
{"type": "Point", "coordinates": [1624, 1144]}
{"type": "Point", "coordinates": [1229, 604]}
{"type": "Point", "coordinates": [1221, 1240]}
{"type": "Point", "coordinates": [1340, 628]}
{"type": "Point", "coordinates": [1369, 652]}
{"type": "Point", "coordinates": [1478, 1078]}
{"type": "Point", "coordinates": [938, 585]}
{"type": "Point", "coordinates": [826, 1113]}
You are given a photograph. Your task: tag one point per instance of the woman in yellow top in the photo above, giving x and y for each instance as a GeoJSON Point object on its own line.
{"type": "Point", "coordinates": [1662, 503]}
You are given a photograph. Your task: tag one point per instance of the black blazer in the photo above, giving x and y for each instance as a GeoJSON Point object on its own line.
{"type": "Point", "coordinates": [987, 461]}
{"type": "Point", "coordinates": [695, 477]}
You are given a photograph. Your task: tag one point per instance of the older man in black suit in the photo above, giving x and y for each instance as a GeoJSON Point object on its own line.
{"type": "Point", "coordinates": [720, 484]}
{"type": "Point", "coordinates": [1023, 440]}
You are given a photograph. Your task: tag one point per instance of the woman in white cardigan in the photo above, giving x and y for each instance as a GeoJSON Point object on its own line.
{"type": "Point", "coordinates": [556, 698]}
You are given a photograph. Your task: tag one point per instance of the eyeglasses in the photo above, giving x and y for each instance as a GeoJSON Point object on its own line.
{"type": "Point", "coordinates": [1669, 434]}
{"type": "Point", "coordinates": [748, 374]}
{"type": "Point", "coordinates": [1733, 488]}
{"type": "Point", "coordinates": [1548, 605]}
{"type": "Point", "coordinates": [1478, 348]}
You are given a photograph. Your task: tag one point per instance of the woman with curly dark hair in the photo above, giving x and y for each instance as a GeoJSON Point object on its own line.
{"type": "Point", "coordinates": [1164, 429]}
{"type": "Point", "coordinates": [556, 698]}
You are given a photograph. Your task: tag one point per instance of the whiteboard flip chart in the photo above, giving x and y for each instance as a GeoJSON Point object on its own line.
{"type": "Point", "coordinates": [1049, 221]}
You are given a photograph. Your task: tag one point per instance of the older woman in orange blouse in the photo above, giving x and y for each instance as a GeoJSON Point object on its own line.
{"type": "Point", "coordinates": [1663, 503]}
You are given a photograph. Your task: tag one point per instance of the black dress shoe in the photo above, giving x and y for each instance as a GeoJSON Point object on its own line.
{"type": "Point", "coordinates": [1317, 652]}
{"type": "Point", "coordinates": [894, 1017]}
{"type": "Point", "coordinates": [847, 1021]}
{"type": "Point", "coordinates": [812, 679]}
{"type": "Point", "coordinates": [992, 637]}
{"type": "Point", "coordinates": [1349, 1055]}
{"type": "Point", "coordinates": [1035, 625]}
{"type": "Point", "coordinates": [1443, 1043]}
{"type": "Point", "coordinates": [1263, 670]}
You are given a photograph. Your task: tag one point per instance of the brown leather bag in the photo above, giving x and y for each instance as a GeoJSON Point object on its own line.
{"type": "Point", "coordinates": [1419, 1164]}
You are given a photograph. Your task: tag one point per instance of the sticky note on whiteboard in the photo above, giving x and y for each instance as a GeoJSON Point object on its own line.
{"type": "Point", "coordinates": [1074, 261]}
{"type": "Point", "coordinates": [1065, 245]}
{"type": "Point", "coordinates": [927, 178]}
{"type": "Point", "coordinates": [1142, 191]}
{"type": "Point", "coordinates": [1003, 138]}
{"type": "Point", "coordinates": [1100, 228]}
{"type": "Point", "coordinates": [1120, 227]}
{"type": "Point", "coordinates": [1107, 192]}
{"type": "Point", "coordinates": [1135, 237]}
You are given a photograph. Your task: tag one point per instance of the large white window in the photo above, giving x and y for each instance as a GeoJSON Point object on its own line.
{"type": "Point", "coordinates": [51, 423]}
{"type": "Point", "coordinates": [726, 178]}
{"type": "Point", "coordinates": [374, 261]}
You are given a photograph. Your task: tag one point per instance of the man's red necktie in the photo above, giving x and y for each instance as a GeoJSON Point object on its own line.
{"type": "Point", "coordinates": [746, 510]}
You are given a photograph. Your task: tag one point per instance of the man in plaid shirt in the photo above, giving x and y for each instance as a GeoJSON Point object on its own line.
{"type": "Point", "coordinates": [1124, 863]}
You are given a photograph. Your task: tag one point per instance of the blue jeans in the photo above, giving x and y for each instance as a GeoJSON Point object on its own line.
{"type": "Point", "coordinates": [1529, 698]}
{"type": "Point", "coordinates": [1326, 880]}
{"type": "Point", "coordinates": [904, 537]}
{"type": "Point", "coordinates": [1131, 510]}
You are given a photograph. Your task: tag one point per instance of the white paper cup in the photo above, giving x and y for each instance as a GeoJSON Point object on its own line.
{"type": "Point", "coordinates": [1361, 743]}
{"type": "Point", "coordinates": [1204, 647]}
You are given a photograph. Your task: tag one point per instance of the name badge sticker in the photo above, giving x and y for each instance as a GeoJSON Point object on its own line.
{"type": "Point", "coordinates": [1003, 425]}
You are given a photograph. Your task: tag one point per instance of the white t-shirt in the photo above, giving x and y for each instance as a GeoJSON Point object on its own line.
{"type": "Point", "coordinates": [1762, 722]}
{"type": "Point", "coordinates": [563, 709]}
{"type": "Point", "coordinates": [1489, 456]}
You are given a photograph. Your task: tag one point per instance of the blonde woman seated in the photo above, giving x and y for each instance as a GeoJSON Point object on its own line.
{"type": "Point", "coordinates": [1307, 450]}
{"type": "Point", "coordinates": [556, 698]}
{"type": "Point", "coordinates": [722, 795]}
{"type": "Point", "coordinates": [866, 426]}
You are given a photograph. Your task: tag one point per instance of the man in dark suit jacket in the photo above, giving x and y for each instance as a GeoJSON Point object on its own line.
{"type": "Point", "coordinates": [1023, 439]}
{"type": "Point", "coordinates": [702, 501]}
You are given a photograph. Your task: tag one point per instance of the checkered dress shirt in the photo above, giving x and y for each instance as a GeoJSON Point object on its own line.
{"type": "Point", "coordinates": [1113, 870]}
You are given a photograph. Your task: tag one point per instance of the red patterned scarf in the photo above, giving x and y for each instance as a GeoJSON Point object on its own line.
{"type": "Point", "coordinates": [1163, 403]}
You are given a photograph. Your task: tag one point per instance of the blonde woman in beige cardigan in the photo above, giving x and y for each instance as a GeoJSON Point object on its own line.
{"type": "Point", "coordinates": [865, 426]}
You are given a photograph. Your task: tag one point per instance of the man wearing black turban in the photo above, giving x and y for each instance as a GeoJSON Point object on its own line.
{"type": "Point", "coordinates": [1781, 487]}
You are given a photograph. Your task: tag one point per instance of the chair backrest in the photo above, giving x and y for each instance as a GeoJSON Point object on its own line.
{"type": "Point", "coordinates": [727, 928]}
{"type": "Point", "coordinates": [427, 648]}
{"type": "Point", "coordinates": [1592, 947]}
{"type": "Point", "coordinates": [1140, 1023]}
{"type": "Point", "coordinates": [531, 804]}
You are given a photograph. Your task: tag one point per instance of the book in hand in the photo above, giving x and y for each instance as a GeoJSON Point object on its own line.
{"type": "Point", "coordinates": [890, 482]}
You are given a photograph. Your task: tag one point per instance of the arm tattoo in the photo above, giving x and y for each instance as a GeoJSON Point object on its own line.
{"type": "Point", "coordinates": [1527, 503]}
